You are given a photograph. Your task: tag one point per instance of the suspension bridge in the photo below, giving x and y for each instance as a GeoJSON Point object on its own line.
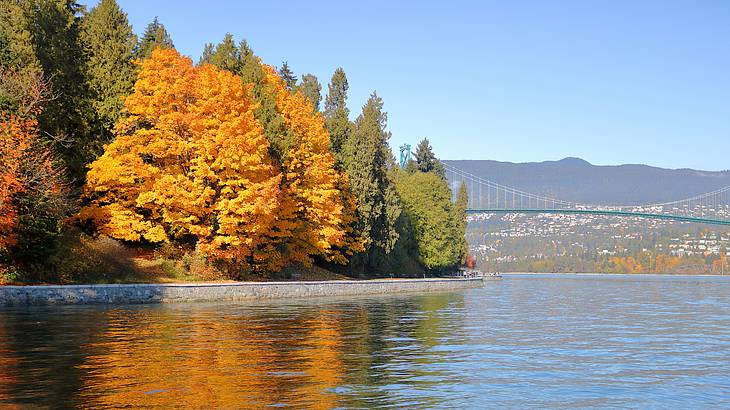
{"type": "Point", "coordinates": [486, 196]}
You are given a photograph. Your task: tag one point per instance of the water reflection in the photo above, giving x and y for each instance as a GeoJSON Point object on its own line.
{"type": "Point", "coordinates": [317, 354]}
{"type": "Point", "coordinates": [524, 342]}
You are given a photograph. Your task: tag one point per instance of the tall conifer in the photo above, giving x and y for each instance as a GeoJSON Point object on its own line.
{"type": "Point", "coordinates": [460, 224]}
{"type": "Point", "coordinates": [43, 41]}
{"type": "Point", "coordinates": [108, 44]}
{"type": "Point", "coordinates": [312, 89]}
{"type": "Point", "coordinates": [208, 50]}
{"type": "Point", "coordinates": [426, 160]}
{"type": "Point", "coordinates": [337, 114]}
{"type": "Point", "coordinates": [288, 76]}
{"type": "Point", "coordinates": [225, 55]}
{"type": "Point", "coordinates": [19, 64]}
{"type": "Point", "coordinates": [367, 156]}
{"type": "Point", "coordinates": [155, 35]}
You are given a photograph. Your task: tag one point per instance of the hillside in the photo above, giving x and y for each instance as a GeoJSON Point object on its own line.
{"type": "Point", "coordinates": [574, 179]}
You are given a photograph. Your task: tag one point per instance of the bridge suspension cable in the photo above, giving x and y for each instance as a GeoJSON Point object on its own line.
{"type": "Point", "coordinates": [492, 197]}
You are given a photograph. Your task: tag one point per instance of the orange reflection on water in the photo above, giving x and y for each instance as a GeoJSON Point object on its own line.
{"type": "Point", "coordinates": [213, 364]}
{"type": "Point", "coordinates": [7, 362]}
{"type": "Point", "coordinates": [298, 354]}
{"type": "Point", "coordinates": [322, 356]}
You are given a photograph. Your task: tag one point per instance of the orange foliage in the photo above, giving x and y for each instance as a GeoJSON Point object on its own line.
{"type": "Point", "coordinates": [627, 264]}
{"type": "Point", "coordinates": [666, 263]}
{"type": "Point", "coordinates": [720, 264]}
{"type": "Point", "coordinates": [190, 161]}
{"type": "Point", "coordinates": [316, 209]}
{"type": "Point", "coordinates": [16, 138]}
{"type": "Point", "coordinates": [662, 263]}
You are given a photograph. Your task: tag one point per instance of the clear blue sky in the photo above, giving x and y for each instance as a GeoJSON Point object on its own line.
{"type": "Point", "coordinates": [608, 81]}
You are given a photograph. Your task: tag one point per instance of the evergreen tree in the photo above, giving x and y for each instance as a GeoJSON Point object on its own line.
{"type": "Point", "coordinates": [367, 156]}
{"type": "Point", "coordinates": [288, 76]}
{"type": "Point", "coordinates": [460, 224]}
{"type": "Point", "coordinates": [336, 93]}
{"type": "Point", "coordinates": [225, 55]}
{"type": "Point", "coordinates": [155, 35]}
{"type": "Point", "coordinates": [275, 130]}
{"type": "Point", "coordinates": [43, 42]}
{"type": "Point", "coordinates": [208, 50]}
{"type": "Point", "coordinates": [17, 51]}
{"type": "Point", "coordinates": [20, 69]}
{"type": "Point", "coordinates": [337, 114]}
{"type": "Point", "coordinates": [312, 89]}
{"type": "Point", "coordinates": [250, 67]}
{"type": "Point", "coordinates": [426, 161]}
{"type": "Point", "coordinates": [411, 166]}
{"type": "Point", "coordinates": [108, 43]}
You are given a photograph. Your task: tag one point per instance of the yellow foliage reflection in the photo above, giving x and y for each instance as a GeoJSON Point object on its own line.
{"type": "Point", "coordinates": [201, 363]}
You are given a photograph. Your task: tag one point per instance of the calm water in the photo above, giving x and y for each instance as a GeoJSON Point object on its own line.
{"type": "Point", "coordinates": [525, 341]}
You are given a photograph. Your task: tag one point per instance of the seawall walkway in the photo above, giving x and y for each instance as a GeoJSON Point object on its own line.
{"type": "Point", "coordinates": [213, 292]}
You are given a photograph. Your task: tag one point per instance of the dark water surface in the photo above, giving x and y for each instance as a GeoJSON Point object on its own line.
{"type": "Point", "coordinates": [523, 342]}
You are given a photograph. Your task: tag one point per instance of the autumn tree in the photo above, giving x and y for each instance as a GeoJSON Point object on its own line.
{"type": "Point", "coordinates": [108, 45]}
{"type": "Point", "coordinates": [33, 193]}
{"type": "Point", "coordinates": [317, 210]}
{"type": "Point", "coordinates": [155, 36]}
{"type": "Point", "coordinates": [720, 264]}
{"type": "Point", "coordinates": [190, 164]}
{"type": "Point", "coordinates": [14, 142]}
{"type": "Point", "coordinates": [312, 89]}
{"type": "Point", "coordinates": [316, 213]}
{"type": "Point", "coordinates": [23, 93]}
{"type": "Point", "coordinates": [243, 62]}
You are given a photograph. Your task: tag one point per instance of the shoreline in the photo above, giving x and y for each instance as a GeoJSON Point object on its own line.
{"type": "Point", "coordinates": [614, 274]}
{"type": "Point", "coordinates": [129, 294]}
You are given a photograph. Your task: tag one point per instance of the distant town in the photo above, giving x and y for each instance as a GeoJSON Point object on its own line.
{"type": "Point", "coordinates": [573, 243]}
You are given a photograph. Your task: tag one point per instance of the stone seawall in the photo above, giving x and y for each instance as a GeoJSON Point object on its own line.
{"type": "Point", "coordinates": [212, 292]}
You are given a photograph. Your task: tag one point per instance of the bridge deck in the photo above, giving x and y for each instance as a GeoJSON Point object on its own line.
{"type": "Point", "coordinates": [681, 218]}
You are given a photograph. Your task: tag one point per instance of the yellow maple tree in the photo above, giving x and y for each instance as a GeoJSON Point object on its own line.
{"type": "Point", "coordinates": [189, 163]}
{"type": "Point", "coordinates": [317, 208]}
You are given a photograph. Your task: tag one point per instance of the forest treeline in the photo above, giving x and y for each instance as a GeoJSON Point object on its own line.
{"type": "Point", "coordinates": [637, 262]}
{"type": "Point", "coordinates": [226, 160]}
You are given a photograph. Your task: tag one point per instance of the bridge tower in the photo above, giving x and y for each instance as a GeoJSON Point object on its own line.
{"type": "Point", "coordinates": [405, 155]}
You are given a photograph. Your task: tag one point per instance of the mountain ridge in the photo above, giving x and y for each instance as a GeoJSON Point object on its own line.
{"type": "Point", "coordinates": [575, 179]}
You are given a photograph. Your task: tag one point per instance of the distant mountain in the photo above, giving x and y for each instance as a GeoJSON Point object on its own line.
{"type": "Point", "coordinates": [574, 179]}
